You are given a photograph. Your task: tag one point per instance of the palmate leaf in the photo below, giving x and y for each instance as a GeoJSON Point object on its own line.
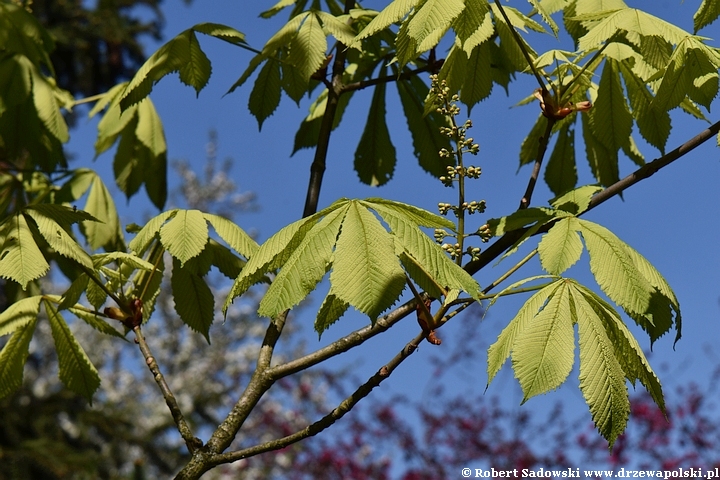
{"type": "Point", "coordinates": [610, 118]}
{"type": "Point", "coordinates": [375, 156]}
{"type": "Point", "coordinates": [543, 352]}
{"type": "Point", "coordinates": [185, 235]}
{"type": "Point", "coordinates": [233, 235]}
{"type": "Point", "coordinates": [708, 12]}
{"type": "Point", "coordinates": [602, 379]}
{"type": "Point", "coordinates": [431, 21]}
{"type": "Point", "coordinates": [20, 258]}
{"type": "Point", "coordinates": [307, 265]}
{"type": "Point", "coordinates": [19, 314]}
{"type": "Point", "coordinates": [12, 358]}
{"type": "Point", "coordinates": [627, 350]}
{"type": "Point", "coordinates": [57, 236]}
{"type": "Point", "coordinates": [394, 12]}
{"type": "Point", "coordinates": [194, 301]}
{"type": "Point", "coordinates": [266, 93]}
{"type": "Point", "coordinates": [614, 270]}
{"type": "Point", "coordinates": [561, 170]}
{"type": "Point", "coordinates": [182, 54]}
{"type": "Point", "coordinates": [75, 369]}
{"type": "Point", "coordinates": [366, 273]}
{"type": "Point", "coordinates": [501, 349]}
{"type": "Point", "coordinates": [561, 247]}
{"type": "Point", "coordinates": [146, 235]}
{"type": "Point", "coordinates": [337, 27]}
{"type": "Point", "coordinates": [636, 23]}
{"type": "Point", "coordinates": [473, 26]}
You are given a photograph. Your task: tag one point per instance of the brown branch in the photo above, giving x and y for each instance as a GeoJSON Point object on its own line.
{"type": "Point", "coordinates": [317, 169]}
{"type": "Point", "coordinates": [542, 148]}
{"type": "Point", "coordinates": [521, 45]}
{"type": "Point", "coordinates": [647, 170]}
{"type": "Point", "coordinates": [406, 74]}
{"type": "Point", "coordinates": [193, 443]}
{"type": "Point", "coordinates": [328, 420]}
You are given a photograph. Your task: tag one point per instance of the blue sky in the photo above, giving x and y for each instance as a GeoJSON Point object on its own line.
{"type": "Point", "coordinates": [671, 218]}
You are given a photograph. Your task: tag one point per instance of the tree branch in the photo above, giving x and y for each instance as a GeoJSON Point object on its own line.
{"type": "Point", "coordinates": [336, 414]}
{"type": "Point", "coordinates": [542, 148]}
{"type": "Point", "coordinates": [647, 170]}
{"type": "Point", "coordinates": [406, 74]}
{"type": "Point", "coordinates": [192, 442]}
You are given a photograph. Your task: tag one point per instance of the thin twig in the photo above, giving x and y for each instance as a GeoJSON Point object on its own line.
{"type": "Point", "coordinates": [647, 170]}
{"type": "Point", "coordinates": [404, 75]}
{"type": "Point", "coordinates": [521, 45]}
{"type": "Point", "coordinates": [192, 442]}
{"type": "Point", "coordinates": [336, 414]}
{"type": "Point", "coordinates": [542, 148]}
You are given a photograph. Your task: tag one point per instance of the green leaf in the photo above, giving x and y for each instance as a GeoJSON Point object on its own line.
{"type": "Point", "coordinates": [13, 356]}
{"type": "Point", "coordinates": [101, 205]}
{"type": "Point", "coordinates": [653, 123]}
{"type": "Point", "coordinates": [336, 27]}
{"type": "Point", "coordinates": [708, 12]}
{"type": "Point", "coordinates": [576, 201]}
{"type": "Point", "coordinates": [610, 118]}
{"type": "Point", "coordinates": [46, 104]}
{"type": "Point", "coordinates": [330, 312]}
{"type": "Point", "coordinates": [603, 161]}
{"type": "Point", "coordinates": [222, 32]}
{"type": "Point", "coordinates": [473, 26]}
{"type": "Point", "coordinates": [74, 292]}
{"type": "Point", "coordinates": [19, 314]}
{"type": "Point", "coordinates": [477, 84]}
{"type": "Point", "coordinates": [627, 350]}
{"type": "Point", "coordinates": [544, 352]}
{"type": "Point", "coordinates": [15, 81]}
{"type": "Point", "coordinates": [614, 270]}
{"type": "Point", "coordinates": [408, 213]}
{"type": "Point", "coordinates": [305, 267]}
{"type": "Point", "coordinates": [225, 261]}
{"type": "Point", "coordinates": [602, 380]}
{"type": "Point", "coordinates": [432, 20]}
{"type": "Point", "coordinates": [561, 247]}
{"type": "Point", "coordinates": [20, 258]}
{"type": "Point", "coordinates": [426, 137]}
{"type": "Point", "coordinates": [20, 32]}
{"type": "Point", "coordinates": [395, 11]}
{"type": "Point", "coordinates": [501, 349]}
{"type": "Point", "coordinates": [529, 146]}
{"type": "Point", "coordinates": [58, 238]}
{"type": "Point", "coordinates": [366, 273]}
{"type": "Point", "coordinates": [147, 234]}
{"type": "Point", "coordinates": [538, 7]}
{"type": "Point", "coordinates": [121, 258]}
{"type": "Point", "coordinates": [233, 235]}
{"type": "Point", "coordinates": [265, 95]}
{"type": "Point", "coordinates": [194, 301]}
{"type": "Point", "coordinates": [561, 172]}
{"type": "Point", "coordinates": [519, 219]}
{"type": "Point", "coordinates": [636, 23]}
{"type": "Point", "coordinates": [95, 295]}
{"type": "Point", "coordinates": [185, 235]}
{"type": "Point", "coordinates": [76, 370]}
{"type": "Point", "coordinates": [274, 253]}
{"type": "Point", "coordinates": [308, 48]}
{"type": "Point", "coordinates": [375, 156]}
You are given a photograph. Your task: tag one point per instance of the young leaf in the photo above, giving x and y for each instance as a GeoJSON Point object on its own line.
{"type": "Point", "coordinates": [222, 32]}
{"type": "Point", "coordinates": [76, 370]}
{"type": "Point", "coordinates": [73, 294]}
{"type": "Point", "coordinates": [544, 352]}
{"type": "Point", "coordinates": [308, 48]}
{"type": "Point", "coordinates": [708, 12]}
{"type": "Point", "coordinates": [614, 270]}
{"type": "Point", "coordinates": [408, 213]}
{"type": "Point", "coordinates": [375, 155]}
{"type": "Point", "coordinates": [265, 95]}
{"type": "Point", "coordinates": [233, 235]}
{"type": "Point", "coordinates": [366, 273]}
{"type": "Point", "coordinates": [610, 118]}
{"type": "Point", "coordinates": [95, 295]}
{"type": "Point", "coordinates": [561, 171]}
{"type": "Point", "coordinates": [95, 322]}
{"type": "Point", "coordinates": [432, 20]}
{"type": "Point", "coordinates": [336, 27]}
{"type": "Point", "coordinates": [135, 262]}
{"type": "Point", "coordinates": [576, 201]}
{"type": "Point", "coordinates": [58, 238]}
{"type": "Point", "coordinates": [185, 235]}
{"type": "Point", "coordinates": [101, 205]}
{"type": "Point", "coordinates": [501, 349]}
{"type": "Point", "coordinates": [13, 356]}
{"type": "Point", "coordinates": [537, 6]}
{"type": "Point", "coordinates": [602, 380]}
{"type": "Point", "coordinates": [396, 10]}
{"type": "Point", "coordinates": [561, 247]}
{"type": "Point", "coordinates": [20, 258]}
{"type": "Point", "coordinates": [145, 236]}
{"type": "Point", "coordinates": [194, 301]}
{"type": "Point", "coordinates": [473, 26]}
{"type": "Point", "coordinates": [226, 262]}
{"type": "Point", "coordinates": [477, 84]}
{"type": "Point", "coordinates": [603, 161]}
{"type": "Point", "coordinates": [19, 314]}
{"type": "Point", "coordinates": [330, 311]}
{"type": "Point", "coordinates": [306, 266]}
